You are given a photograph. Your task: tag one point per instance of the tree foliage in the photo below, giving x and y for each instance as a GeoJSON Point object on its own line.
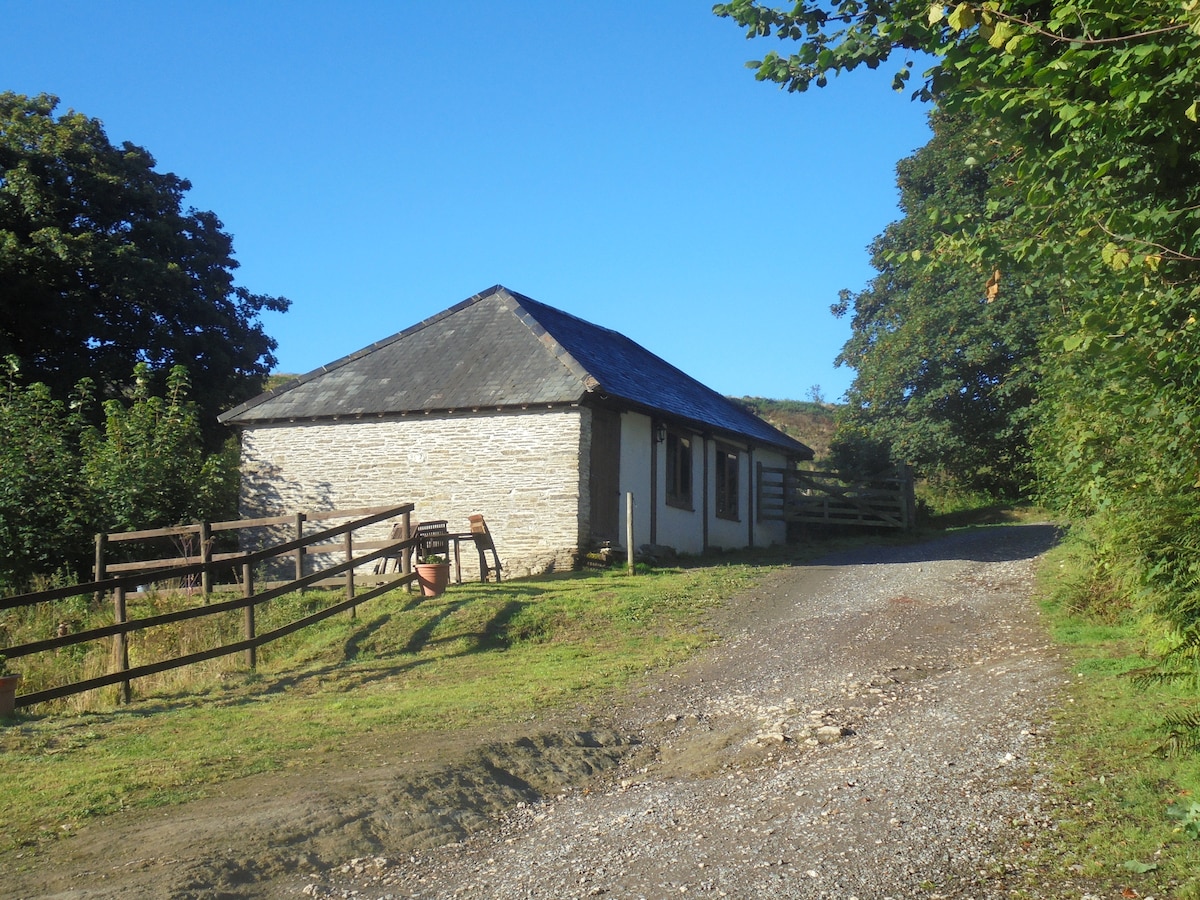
{"type": "Point", "coordinates": [101, 268]}
{"type": "Point", "coordinates": [147, 469]}
{"type": "Point", "coordinates": [44, 513]}
{"type": "Point", "coordinates": [1094, 185]}
{"type": "Point", "coordinates": [1100, 96]}
{"type": "Point", "coordinates": [62, 479]}
{"type": "Point", "coordinates": [947, 362]}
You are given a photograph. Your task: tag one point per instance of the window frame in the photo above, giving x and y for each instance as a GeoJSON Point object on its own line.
{"type": "Point", "coordinates": [727, 477]}
{"type": "Point", "coordinates": [679, 448]}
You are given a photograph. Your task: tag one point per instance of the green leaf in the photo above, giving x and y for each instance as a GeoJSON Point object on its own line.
{"type": "Point", "coordinates": [963, 17]}
{"type": "Point", "coordinates": [937, 12]}
{"type": "Point", "coordinates": [1001, 35]}
{"type": "Point", "coordinates": [1139, 868]}
{"type": "Point", "coordinates": [1116, 256]}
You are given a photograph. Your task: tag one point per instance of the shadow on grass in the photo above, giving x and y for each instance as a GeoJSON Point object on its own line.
{"type": "Point", "coordinates": [355, 642]}
{"type": "Point", "coordinates": [423, 635]}
{"type": "Point", "coordinates": [492, 636]}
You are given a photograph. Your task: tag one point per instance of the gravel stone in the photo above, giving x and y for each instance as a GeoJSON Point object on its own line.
{"type": "Point", "coordinates": [869, 727]}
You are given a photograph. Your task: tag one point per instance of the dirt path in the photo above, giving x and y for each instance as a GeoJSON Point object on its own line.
{"type": "Point", "coordinates": [864, 729]}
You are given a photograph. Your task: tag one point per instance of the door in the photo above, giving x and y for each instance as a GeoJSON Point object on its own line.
{"type": "Point", "coordinates": [604, 475]}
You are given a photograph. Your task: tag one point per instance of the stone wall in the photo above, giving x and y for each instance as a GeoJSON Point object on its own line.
{"type": "Point", "coordinates": [520, 470]}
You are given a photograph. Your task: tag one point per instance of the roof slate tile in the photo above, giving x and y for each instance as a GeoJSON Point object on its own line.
{"type": "Point", "coordinates": [503, 349]}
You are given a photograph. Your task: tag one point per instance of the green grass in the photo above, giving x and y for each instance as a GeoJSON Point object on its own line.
{"type": "Point", "coordinates": [403, 666]}
{"type": "Point", "coordinates": [1123, 802]}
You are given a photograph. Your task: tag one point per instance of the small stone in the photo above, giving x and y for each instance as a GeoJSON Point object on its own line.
{"type": "Point", "coordinates": [828, 734]}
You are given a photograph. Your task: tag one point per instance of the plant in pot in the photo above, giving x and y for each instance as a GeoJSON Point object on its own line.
{"type": "Point", "coordinates": [433, 574]}
{"type": "Point", "coordinates": [8, 687]}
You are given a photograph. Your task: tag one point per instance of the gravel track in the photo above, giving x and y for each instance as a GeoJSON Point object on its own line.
{"type": "Point", "coordinates": [867, 728]}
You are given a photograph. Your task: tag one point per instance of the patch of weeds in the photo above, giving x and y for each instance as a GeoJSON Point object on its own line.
{"type": "Point", "coordinates": [1188, 818]}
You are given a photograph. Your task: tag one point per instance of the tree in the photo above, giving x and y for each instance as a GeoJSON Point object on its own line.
{"type": "Point", "coordinates": [946, 367]}
{"type": "Point", "coordinates": [102, 269]}
{"type": "Point", "coordinates": [1098, 169]}
{"type": "Point", "coordinates": [148, 470]}
{"type": "Point", "coordinates": [62, 480]}
{"type": "Point", "coordinates": [44, 511]}
{"type": "Point", "coordinates": [1099, 97]}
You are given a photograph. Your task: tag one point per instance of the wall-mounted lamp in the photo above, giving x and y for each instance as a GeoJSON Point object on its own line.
{"type": "Point", "coordinates": [660, 432]}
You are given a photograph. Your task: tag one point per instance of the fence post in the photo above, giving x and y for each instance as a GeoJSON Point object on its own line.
{"type": "Point", "coordinates": [122, 647]}
{"type": "Point", "coordinates": [300, 517]}
{"type": "Point", "coordinates": [629, 528]}
{"type": "Point", "coordinates": [98, 572]}
{"type": "Point", "coordinates": [350, 572]}
{"type": "Point", "coordinates": [206, 558]}
{"type": "Point", "coordinates": [910, 496]}
{"type": "Point", "coordinates": [406, 553]}
{"type": "Point", "coordinates": [248, 592]}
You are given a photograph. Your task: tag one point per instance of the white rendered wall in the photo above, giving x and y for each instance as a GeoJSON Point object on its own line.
{"type": "Point", "coordinates": [683, 529]}
{"type": "Point", "coordinates": [635, 475]}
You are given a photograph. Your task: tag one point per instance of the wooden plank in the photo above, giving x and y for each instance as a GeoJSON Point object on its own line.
{"type": "Point", "coordinates": [153, 565]}
{"type": "Point", "coordinates": [119, 536]}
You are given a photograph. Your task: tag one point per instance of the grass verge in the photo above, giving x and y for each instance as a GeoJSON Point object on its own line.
{"type": "Point", "coordinates": [1128, 813]}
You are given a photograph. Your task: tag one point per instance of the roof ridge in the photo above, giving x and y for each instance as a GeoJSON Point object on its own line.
{"type": "Point", "coordinates": [529, 318]}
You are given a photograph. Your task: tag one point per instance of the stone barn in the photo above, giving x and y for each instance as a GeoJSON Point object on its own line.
{"type": "Point", "coordinates": [538, 420]}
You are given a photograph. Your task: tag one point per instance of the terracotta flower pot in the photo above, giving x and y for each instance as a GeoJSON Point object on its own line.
{"type": "Point", "coordinates": [433, 578]}
{"type": "Point", "coordinates": [8, 693]}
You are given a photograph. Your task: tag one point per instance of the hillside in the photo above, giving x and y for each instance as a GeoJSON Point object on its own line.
{"type": "Point", "coordinates": [811, 423]}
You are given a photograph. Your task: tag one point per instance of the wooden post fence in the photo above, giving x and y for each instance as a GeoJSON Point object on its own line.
{"type": "Point", "coordinates": [122, 642]}
{"type": "Point", "coordinates": [205, 557]}
{"type": "Point", "coordinates": [121, 578]}
{"type": "Point", "coordinates": [299, 550]}
{"type": "Point", "coordinates": [248, 592]}
{"type": "Point", "coordinates": [629, 528]}
{"type": "Point", "coordinates": [349, 541]}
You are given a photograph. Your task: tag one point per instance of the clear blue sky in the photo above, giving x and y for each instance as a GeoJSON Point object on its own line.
{"type": "Point", "coordinates": [377, 162]}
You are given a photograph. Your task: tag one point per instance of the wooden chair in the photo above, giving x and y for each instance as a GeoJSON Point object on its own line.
{"type": "Point", "coordinates": [433, 539]}
{"type": "Point", "coordinates": [484, 544]}
{"type": "Point", "coordinates": [381, 565]}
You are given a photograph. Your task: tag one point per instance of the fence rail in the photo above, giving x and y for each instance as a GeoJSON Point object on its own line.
{"type": "Point", "coordinates": [209, 565]}
{"type": "Point", "coordinates": [825, 498]}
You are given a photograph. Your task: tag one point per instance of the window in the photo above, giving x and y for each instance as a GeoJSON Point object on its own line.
{"type": "Point", "coordinates": [727, 483]}
{"type": "Point", "coordinates": [679, 470]}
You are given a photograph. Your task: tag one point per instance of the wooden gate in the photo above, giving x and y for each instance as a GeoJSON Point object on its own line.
{"type": "Point", "coordinates": [825, 498]}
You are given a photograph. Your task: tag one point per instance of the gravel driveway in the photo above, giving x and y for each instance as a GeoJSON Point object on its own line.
{"type": "Point", "coordinates": [867, 728]}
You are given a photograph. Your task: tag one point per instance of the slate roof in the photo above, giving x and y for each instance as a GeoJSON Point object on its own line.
{"type": "Point", "coordinates": [498, 350]}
